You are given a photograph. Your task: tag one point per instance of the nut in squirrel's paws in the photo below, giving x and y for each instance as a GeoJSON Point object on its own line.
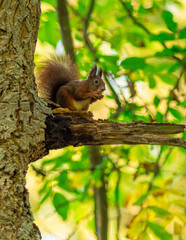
{"type": "Point", "coordinates": [97, 95]}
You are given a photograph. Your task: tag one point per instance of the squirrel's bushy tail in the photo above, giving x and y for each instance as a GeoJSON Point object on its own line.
{"type": "Point", "coordinates": [54, 73]}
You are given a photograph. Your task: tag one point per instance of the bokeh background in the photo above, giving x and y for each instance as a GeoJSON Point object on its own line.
{"type": "Point", "coordinates": [140, 45]}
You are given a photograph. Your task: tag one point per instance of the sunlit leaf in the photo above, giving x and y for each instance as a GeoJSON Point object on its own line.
{"type": "Point", "coordinates": [162, 37]}
{"type": "Point", "coordinates": [174, 67]}
{"type": "Point", "coordinates": [165, 52]}
{"type": "Point", "coordinates": [168, 79]}
{"type": "Point", "coordinates": [156, 101]}
{"type": "Point", "coordinates": [159, 117]}
{"type": "Point", "coordinates": [141, 199]}
{"type": "Point", "coordinates": [159, 231]}
{"type": "Point", "coordinates": [177, 228]}
{"type": "Point", "coordinates": [182, 217]}
{"type": "Point", "coordinates": [44, 188]}
{"type": "Point", "coordinates": [182, 33]}
{"type": "Point", "coordinates": [46, 196]}
{"type": "Point", "coordinates": [168, 19]}
{"type": "Point", "coordinates": [181, 203]}
{"type": "Point", "coordinates": [133, 63]}
{"type": "Point", "coordinates": [160, 211]}
{"type": "Point", "coordinates": [135, 230]}
{"type": "Point", "coordinates": [51, 2]}
{"type": "Point", "coordinates": [174, 191]}
{"type": "Point", "coordinates": [49, 24]}
{"type": "Point", "coordinates": [61, 205]}
{"type": "Point", "coordinates": [175, 113]}
{"type": "Point", "coordinates": [144, 236]}
{"type": "Point", "coordinates": [182, 103]}
{"type": "Point", "coordinates": [82, 8]}
{"type": "Point", "coordinates": [152, 82]}
{"type": "Point", "coordinates": [97, 174]}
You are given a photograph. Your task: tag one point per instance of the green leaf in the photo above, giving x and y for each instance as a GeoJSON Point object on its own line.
{"type": "Point", "coordinates": [82, 8]}
{"type": "Point", "coordinates": [133, 63]}
{"type": "Point", "coordinates": [183, 103]}
{"type": "Point", "coordinates": [168, 19]}
{"type": "Point", "coordinates": [178, 49]}
{"type": "Point", "coordinates": [97, 174]}
{"type": "Point", "coordinates": [159, 117]}
{"type": "Point", "coordinates": [45, 196]}
{"type": "Point", "coordinates": [44, 188]}
{"type": "Point", "coordinates": [140, 200]}
{"type": "Point", "coordinates": [49, 28]}
{"type": "Point", "coordinates": [61, 205]}
{"type": "Point", "coordinates": [174, 67]}
{"type": "Point", "coordinates": [159, 231]}
{"type": "Point", "coordinates": [162, 37]}
{"type": "Point", "coordinates": [160, 211]}
{"type": "Point", "coordinates": [63, 181]}
{"type": "Point", "coordinates": [182, 33]}
{"type": "Point", "coordinates": [175, 113]}
{"type": "Point", "coordinates": [168, 78]}
{"type": "Point", "coordinates": [156, 101]}
{"type": "Point", "coordinates": [51, 2]}
{"type": "Point", "coordinates": [166, 52]}
{"type": "Point", "coordinates": [152, 82]}
{"type": "Point", "coordinates": [110, 58]}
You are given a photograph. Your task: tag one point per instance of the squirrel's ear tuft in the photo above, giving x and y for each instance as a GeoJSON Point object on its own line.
{"type": "Point", "coordinates": [100, 72]}
{"type": "Point", "coordinates": [93, 70]}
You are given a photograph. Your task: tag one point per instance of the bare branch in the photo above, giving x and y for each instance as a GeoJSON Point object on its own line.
{"type": "Point", "coordinates": [68, 128]}
{"type": "Point", "coordinates": [85, 28]}
{"type": "Point", "coordinates": [133, 18]}
{"type": "Point", "coordinates": [115, 95]}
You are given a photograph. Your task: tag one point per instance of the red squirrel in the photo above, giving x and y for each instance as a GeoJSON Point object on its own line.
{"type": "Point", "coordinates": [58, 81]}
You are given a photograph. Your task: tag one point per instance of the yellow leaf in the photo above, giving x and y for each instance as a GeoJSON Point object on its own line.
{"type": "Point", "coordinates": [135, 230]}
{"type": "Point", "coordinates": [177, 228]}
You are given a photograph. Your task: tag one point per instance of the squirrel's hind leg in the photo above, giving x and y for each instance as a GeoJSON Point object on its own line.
{"type": "Point", "coordinates": [64, 98]}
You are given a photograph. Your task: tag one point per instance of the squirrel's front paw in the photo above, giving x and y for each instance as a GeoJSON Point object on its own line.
{"type": "Point", "coordinates": [100, 97]}
{"type": "Point", "coordinates": [97, 95]}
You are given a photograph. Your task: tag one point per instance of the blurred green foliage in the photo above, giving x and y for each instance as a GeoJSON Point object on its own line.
{"type": "Point", "coordinates": [136, 43]}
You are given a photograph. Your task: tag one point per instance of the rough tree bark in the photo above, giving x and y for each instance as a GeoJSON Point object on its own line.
{"type": "Point", "coordinates": [22, 116]}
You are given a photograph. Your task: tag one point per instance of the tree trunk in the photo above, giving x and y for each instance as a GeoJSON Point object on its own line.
{"type": "Point", "coordinates": [100, 196]}
{"type": "Point", "coordinates": [22, 117]}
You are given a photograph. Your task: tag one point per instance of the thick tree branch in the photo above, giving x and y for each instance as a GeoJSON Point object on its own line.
{"type": "Point", "coordinates": [67, 128]}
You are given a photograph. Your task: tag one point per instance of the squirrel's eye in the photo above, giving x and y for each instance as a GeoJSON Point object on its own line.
{"type": "Point", "coordinates": [96, 81]}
